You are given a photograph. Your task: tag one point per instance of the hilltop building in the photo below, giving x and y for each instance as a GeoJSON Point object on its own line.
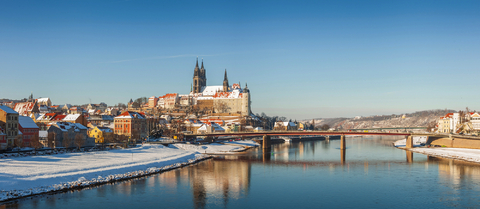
{"type": "Point", "coordinates": [221, 99]}
{"type": "Point", "coordinates": [225, 98]}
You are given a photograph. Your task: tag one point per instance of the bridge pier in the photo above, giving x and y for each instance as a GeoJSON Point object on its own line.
{"type": "Point", "coordinates": [343, 153]}
{"type": "Point", "coordinates": [327, 138]}
{"type": "Point", "coordinates": [409, 156]}
{"type": "Point", "coordinates": [266, 142]}
{"type": "Point", "coordinates": [409, 143]}
{"type": "Point", "coordinates": [343, 145]}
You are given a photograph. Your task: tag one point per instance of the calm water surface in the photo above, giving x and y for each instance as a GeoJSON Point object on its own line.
{"type": "Point", "coordinates": [312, 174]}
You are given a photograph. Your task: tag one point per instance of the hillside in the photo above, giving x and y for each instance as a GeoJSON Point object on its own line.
{"type": "Point", "coordinates": [416, 119]}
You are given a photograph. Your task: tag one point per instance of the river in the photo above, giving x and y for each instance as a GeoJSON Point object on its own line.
{"type": "Point", "coordinates": [310, 174]}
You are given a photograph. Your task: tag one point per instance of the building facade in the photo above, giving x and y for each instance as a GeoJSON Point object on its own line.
{"type": "Point", "coordinates": [131, 124]}
{"type": "Point", "coordinates": [28, 128]}
{"type": "Point", "coordinates": [9, 124]}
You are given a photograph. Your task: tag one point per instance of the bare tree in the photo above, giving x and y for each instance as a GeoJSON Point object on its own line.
{"type": "Point", "coordinates": [279, 126]}
{"type": "Point", "coordinates": [51, 137]}
{"type": "Point", "coordinates": [222, 107]}
{"type": "Point", "coordinates": [35, 142]}
{"type": "Point", "coordinates": [66, 140]}
{"type": "Point", "coordinates": [79, 140]}
{"type": "Point", "coordinates": [325, 127]}
{"type": "Point", "coordinates": [18, 141]}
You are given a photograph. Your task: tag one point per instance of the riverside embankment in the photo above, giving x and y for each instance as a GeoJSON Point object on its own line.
{"type": "Point", "coordinates": [32, 175]}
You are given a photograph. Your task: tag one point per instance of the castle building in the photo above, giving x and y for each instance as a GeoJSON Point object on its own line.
{"type": "Point", "coordinates": [221, 99]}
{"type": "Point", "coordinates": [218, 99]}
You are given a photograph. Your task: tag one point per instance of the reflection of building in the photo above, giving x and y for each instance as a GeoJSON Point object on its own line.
{"type": "Point", "coordinates": [219, 179]}
{"type": "Point", "coordinates": [454, 171]}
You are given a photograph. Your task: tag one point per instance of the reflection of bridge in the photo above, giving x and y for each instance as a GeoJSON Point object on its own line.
{"type": "Point", "coordinates": [462, 141]}
{"type": "Point", "coordinates": [267, 134]}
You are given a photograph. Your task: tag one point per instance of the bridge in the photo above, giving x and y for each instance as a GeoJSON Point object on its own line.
{"type": "Point", "coordinates": [266, 143]}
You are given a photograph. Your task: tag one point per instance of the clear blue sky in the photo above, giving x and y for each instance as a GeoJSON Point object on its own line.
{"type": "Point", "coordinates": [301, 59]}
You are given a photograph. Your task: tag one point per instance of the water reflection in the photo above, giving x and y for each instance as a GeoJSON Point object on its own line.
{"type": "Point", "coordinates": [374, 176]}
{"type": "Point", "coordinates": [343, 153]}
{"type": "Point", "coordinates": [409, 156]}
{"type": "Point", "coordinates": [215, 181]}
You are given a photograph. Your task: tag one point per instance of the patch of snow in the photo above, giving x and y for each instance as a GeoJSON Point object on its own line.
{"type": "Point", "coordinates": [29, 175]}
{"type": "Point", "coordinates": [471, 155]}
{"type": "Point", "coordinates": [213, 148]}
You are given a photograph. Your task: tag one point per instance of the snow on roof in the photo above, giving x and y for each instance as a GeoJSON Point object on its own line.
{"type": "Point", "coordinates": [215, 126]}
{"type": "Point", "coordinates": [219, 121]}
{"type": "Point", "coordinates": [42, 99]}
{"type": "Point", "coordinates": [58, 117]}
{"type": "Point", "coordinates": [193, 121]}
{"type": "Point", "coordinates": [24, 107]}
{"type": "Point", "coordinates": [105, 129]}
{"type": "Point", "coordinates": [65, 126]}
{"type": "Point", "coordinates": [228, 95]}
{"type": "Point", "coordinates": [130, 114]}
{"type": "Point", "coordinates": [284, 124]}
{"type": "Point", "coordinates": [43, 108]}
{"type": "Point", "coordinates": [46, 116]}
{"type": "Point", "coordinates": [26, 122]}
{"type": "Point", "coordinates": [8, 109]}
{"type": "Point", "coordinates": [236, 86]}
{"type": "Point", "coordinates": [211, 90]}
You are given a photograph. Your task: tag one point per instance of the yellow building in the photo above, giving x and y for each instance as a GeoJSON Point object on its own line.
{"type": "Point", "coordinates": [303, 126]}
{"type": "Point", "coordinates": [101, 134]}
{"type": "Point", "coordinates": [445, 124]}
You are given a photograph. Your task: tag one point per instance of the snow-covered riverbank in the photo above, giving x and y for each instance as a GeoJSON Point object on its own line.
{"type": "Point", "coordinates": [470, 155]}
{"type": "Point", "coordinates": [26, 176]}
{"type": "Point", "coordinates": [227, 147]}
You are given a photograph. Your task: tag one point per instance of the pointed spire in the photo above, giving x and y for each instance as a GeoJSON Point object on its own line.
{"type": "Point", "coordinates": [202, 63]}
{"type": "Point", "coordinates": [197, 63]}
{"type": "Point", "coordinates": [225, 77]}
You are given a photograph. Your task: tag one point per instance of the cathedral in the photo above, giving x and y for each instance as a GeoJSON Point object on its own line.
{"type": "Point", "coordinates": [199, 78]}
{"type": "Point", "coordinates": [222, 99]}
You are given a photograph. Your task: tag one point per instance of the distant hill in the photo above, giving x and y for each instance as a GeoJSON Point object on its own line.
{"type": "Point", "coordinates": [417, 119]}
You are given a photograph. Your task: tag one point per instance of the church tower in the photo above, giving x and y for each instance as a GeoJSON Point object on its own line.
{"type": "Point", "coordinates": [199, 78]}
{"type": "Point", "coordinates": [225, 82]}
{"type": "Point", "coordinates": [203, 76]}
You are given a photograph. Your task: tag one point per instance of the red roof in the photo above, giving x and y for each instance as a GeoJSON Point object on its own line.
{"type": "Point", "coordinates": [169, 95]}
{"type": "Point", "coordinates": [24, 107]}
{"type": "Point", "coordinates": [208, 121]}
{"type": "Point", "coordinates": [58, 117]}
{"type": "Point", "coordinates": [226, 95]}
{"type": "Point", "coordinates": [131, 114]}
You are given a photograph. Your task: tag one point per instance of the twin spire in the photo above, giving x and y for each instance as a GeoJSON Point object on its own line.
{"type": "Point", "coordinates": [196, 66]}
